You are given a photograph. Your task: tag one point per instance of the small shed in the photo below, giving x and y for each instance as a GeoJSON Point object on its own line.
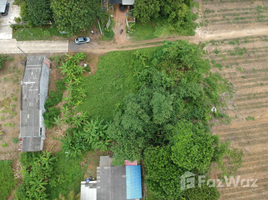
{"type": "Point", "coordinates": [3, 4]}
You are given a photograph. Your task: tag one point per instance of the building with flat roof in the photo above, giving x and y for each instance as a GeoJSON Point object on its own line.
{"type": "Point", "coordinates": [34, 93]}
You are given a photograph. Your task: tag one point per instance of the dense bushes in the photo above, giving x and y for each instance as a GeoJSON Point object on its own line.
{"type": "Point", "coordinates": [37, 172]}
{"type": "Point", "coordinates": [55, 97]}
{"type": "Point", "coordinates": [176, 15]}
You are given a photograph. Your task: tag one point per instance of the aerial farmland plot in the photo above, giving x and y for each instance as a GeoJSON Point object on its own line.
{"type": "Point", "coordinates": [219, 16]}
{"type": "Point", "coordinates": [243, 62]}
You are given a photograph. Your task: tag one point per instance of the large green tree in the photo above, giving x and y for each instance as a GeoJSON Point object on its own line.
{"type": "Point", "coordinates": [39, 11]}
{"type": "Point", "coordinates": [75, 15]}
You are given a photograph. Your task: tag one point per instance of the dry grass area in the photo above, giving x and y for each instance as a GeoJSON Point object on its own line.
{"type": "Point", "coordinates": [244, 64]}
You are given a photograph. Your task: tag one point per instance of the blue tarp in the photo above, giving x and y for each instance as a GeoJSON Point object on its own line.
{"type": "Point", "coordinates": [133, 179]}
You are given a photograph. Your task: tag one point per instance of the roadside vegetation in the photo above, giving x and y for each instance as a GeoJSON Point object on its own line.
{"type": "Point", "coordinates": [7, 178]}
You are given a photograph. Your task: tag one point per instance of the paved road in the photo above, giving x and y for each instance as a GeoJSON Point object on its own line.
{"type": "Point", "coordinates": [11, 46]}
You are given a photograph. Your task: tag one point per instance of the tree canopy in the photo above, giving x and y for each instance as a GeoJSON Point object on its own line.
{"type": "Point", "coordinates": [39, 11]}
{"type": "Point", "coordinates": [177, 13]}
{"type": "Point", "coordinates": [75, 15]}
{"type": "Point", "coordinates": [165, 122]}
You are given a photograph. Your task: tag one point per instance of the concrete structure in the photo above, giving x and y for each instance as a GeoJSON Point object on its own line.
{"type": "Point", "coordinates": [34, 92]}
{"type": "Point", "coordinates": [113, 182]}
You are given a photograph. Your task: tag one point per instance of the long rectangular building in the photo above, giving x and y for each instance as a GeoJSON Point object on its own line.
{"type": "Point", "coordinates": [34, 93]}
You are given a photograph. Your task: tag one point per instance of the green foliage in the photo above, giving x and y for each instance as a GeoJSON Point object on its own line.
{"type": "Point", "coordinates": [2, 61]}
{"type": "Point", "coordinates": [18, 2]}
{"type": "Point", "coordinates": [162, 175]}
{"type": "Point", "coordinates": [73, 16]}
{"type": "Point", "coordinates": [16, 140]}
{"type": "Point", "coordinates": [24, 11]}
{"type": "Point", "coordinates": [50, 115]}
{"type": "Point", "coordinates": [171, 86]}
{"type": "Point", "coordinates": [54, 99]}
{"type": "Point", "coordinates": [177, 14]}
{"type": "Point", "coordinates": [10, 58]}
{"type": "Point", "coordinates": [4, 144]}
{"type": "Point", "coordinates": [67, 176]}
{"type": "Point", "coordinates": [192, 146]}
{"type": "Point", "coordinates": [36, 174]}
{"type": "Point", "coordinates": [86, 135]}
{"type": "Point", "coordinates": [17, 19]}
{"type": "Point", "coordinates": [202, 193]}
{"type": "Point", "coordinates": [39, 11]}
{"type": "Point", "coordinates": [7, 178]}
{"type": "Point", "coordinates": [250, 118]}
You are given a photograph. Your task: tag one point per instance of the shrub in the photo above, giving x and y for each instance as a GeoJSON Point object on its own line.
{"type": "Point", "coordinates": [60, 85]}
{"type": "Point", "coordinates": [16, 140]}
{"type": "Point", "coordinates": [87, 69]}
{"type": "Point", "coordinates": [4, 144]}
{"type": "Point", "coordinates": [11, 58]}
{"type": "Point", "coordinates": [2, 61]}
{"type": "Point", "coordinates": [55, 98]}
{"type": "Point", "coordinates": [18, 2]}
{"type": "Point", "coordinates": [17, 19]}
{"type": "Point", "coordinates": [50, 116]}
{"type": "Point", "coordinates": [23, 11]}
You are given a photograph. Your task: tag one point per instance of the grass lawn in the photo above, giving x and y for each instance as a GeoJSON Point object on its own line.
{"type": "Point", "coordinates": [144, 31]}
{"type": "Point", "coordinates": [111, 82]}
{"type": "Point", "coordinates": [38, 34]}
{"type": "Point", "coordinates": [7, 179]}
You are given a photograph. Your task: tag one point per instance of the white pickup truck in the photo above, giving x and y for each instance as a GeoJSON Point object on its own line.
{"type": "Point", "coordinates": [4, 7]}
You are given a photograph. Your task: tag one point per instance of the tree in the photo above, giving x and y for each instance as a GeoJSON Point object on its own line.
{"type": "Point", "coordinates": [75, 15]}
{"type": "Point", "coordinates": [162, 175]}
{"type": "Point", "coordinates": [39, 11]}
{"type": "Point", "coordinates": [193, 146]}
{"type": "Point", "coordinates": [145, 10]}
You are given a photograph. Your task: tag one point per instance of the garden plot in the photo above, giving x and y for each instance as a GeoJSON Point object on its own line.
{"type": "Point", "coordinates": [10, 77]}
{"type": "Point", "coordinates": [243, 62]}
{"type": "Point", "coordinates": [224, 16]}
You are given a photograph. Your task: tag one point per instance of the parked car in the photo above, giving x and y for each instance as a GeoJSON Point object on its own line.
{"type": "Point", "coordinates": [6, 10]}
{"type": "Point", "coordinates": [82, 40]}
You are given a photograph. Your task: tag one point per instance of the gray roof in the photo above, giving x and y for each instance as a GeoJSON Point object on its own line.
{"type": "Point", "coordinates": [32, 144]}
{"type": "Point", "coordinates": [111, 183]}
{"type": "Point", "coordinates": [3, 5]}
{"type": "Point", "coordinates": [128, 2]}
{"type": "Point", "coordinates": [30, 122]}
{"type": "Point", "coordinates": [30, 89]}
{"type": "Point", "coordinates": [105, 161]}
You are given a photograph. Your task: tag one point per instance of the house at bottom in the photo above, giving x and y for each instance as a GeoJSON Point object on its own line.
{"type": "Point", "coordinates": [34, 93]}
{"type": "Point", "coordinates": [113, 182]}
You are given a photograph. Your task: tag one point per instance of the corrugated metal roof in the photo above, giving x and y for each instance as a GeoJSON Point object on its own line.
{"type": "Point", "coordinates": [32, 144]}
{"type": "Point", "coordinates": [36, 72]}
{"type": "Point", "coordinates": [128, 2]}
{"type": "Point", "coordinates": [133, 180]}
{"type": "Point", "coordinates": [3, 5]}
{"type": "Point", "coordinates": [111, 183]}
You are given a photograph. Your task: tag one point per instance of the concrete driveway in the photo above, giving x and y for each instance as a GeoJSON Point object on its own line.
{"type": "Point", "coordinates": [5, 30]}
{"type": "Point", "coordinates": [10, 46]}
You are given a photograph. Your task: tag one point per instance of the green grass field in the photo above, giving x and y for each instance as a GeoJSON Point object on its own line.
{"type": "Point", "coordinates": [144, 31]}
{"type": "Point", "coordinates": [111, 82]}
{"type": "Point", "coordinates": [38, 34]}
{"type": "Point", "coordinates": [7, 179]}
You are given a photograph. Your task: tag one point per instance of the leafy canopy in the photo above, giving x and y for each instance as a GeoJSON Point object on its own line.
{"type": "Point", "coordinates": [39, 11]}
{"type": "Point", "coordinates": [75, 15]}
